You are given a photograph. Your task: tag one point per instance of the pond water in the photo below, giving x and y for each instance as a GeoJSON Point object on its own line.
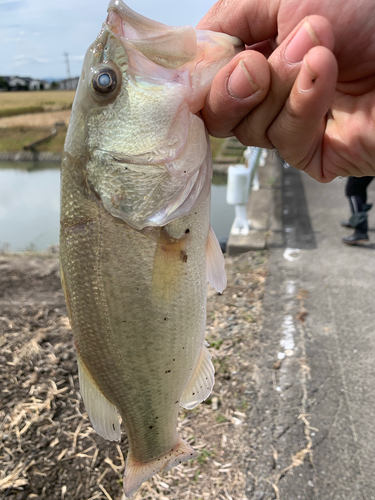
{"type": "Point", "coordinates": [30, 206]}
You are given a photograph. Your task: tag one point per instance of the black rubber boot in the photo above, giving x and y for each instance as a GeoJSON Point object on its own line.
{"type": "Point", "coordinates": [356, 238]}
{"type": "Point", "coordinates": [347, 222]}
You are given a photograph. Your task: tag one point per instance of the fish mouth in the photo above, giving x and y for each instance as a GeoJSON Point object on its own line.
{"type": "Point", "coordinates": [167, 46]}
{"type": "Point", "coordinates": [134, 25]}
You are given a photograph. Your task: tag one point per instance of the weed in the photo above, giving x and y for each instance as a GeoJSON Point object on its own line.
{"type": "Point", "coordinates": [243, 405]}
{"type": "Point", "coordinates": [220, 418]}
{"type": "Point", "coordinates": [196, 475]}
{"type": "Point", "coordinates": [204, 454]}
{"type": "Point", "coordinates": [248, 317]}
{"type": "Point", "coordinates": [216, 344]}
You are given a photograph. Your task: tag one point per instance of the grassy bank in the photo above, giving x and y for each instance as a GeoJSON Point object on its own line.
{"type": "Point", "coordinates": [14, 139]}
{"type": "Point", "coordinates": [16, 103]}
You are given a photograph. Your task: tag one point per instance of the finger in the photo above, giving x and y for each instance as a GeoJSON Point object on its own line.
{"type": "Point", "coordinates": [236, 90]}
{"type": "Point", "coordinates": [285, 63]}
{"type": "Point", "coordinates": [298, 131]}
{"type": "Point", "coordinates": [252, 22]}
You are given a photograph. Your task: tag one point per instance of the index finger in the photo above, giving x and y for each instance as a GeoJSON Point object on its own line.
{"type": "Point", "coordinates": [251, 21]}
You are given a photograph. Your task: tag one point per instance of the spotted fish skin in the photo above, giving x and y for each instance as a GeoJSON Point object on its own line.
{"type": "Point", "coordinates": [136, 245]}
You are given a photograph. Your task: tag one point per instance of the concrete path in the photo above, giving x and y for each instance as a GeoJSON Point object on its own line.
{"type": "Point", "coordinates": [314, 419]}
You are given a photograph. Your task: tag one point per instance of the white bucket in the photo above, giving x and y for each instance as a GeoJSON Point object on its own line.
{"type": "Point", "coordinates": [238, 185]}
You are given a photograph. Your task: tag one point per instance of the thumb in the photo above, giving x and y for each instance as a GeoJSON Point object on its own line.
{"type": "Point", "coordinates": [235, 91]}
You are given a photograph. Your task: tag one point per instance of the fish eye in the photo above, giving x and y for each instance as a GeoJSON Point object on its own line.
{"type": "Point", "coordinates": [104, 81]}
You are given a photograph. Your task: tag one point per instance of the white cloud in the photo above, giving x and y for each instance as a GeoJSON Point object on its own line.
{"type": "Point", "coordinates": [23, 59]}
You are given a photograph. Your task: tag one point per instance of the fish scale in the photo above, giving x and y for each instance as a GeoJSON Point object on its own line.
{"type": "Point", "coordinates": [136, 245]}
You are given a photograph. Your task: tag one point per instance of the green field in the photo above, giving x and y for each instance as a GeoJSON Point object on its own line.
{"type": "Point", "coordinates": [15, 138]}
{"type": "Point", "coordinates": [16, 103]}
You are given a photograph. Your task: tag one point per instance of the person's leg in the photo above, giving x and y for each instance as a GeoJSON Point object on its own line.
{"type": "Point", "coordinates": [357, 197]}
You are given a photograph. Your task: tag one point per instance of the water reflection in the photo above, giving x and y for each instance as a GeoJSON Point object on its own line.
{"type": "Point", "coordinates": [30, 206]}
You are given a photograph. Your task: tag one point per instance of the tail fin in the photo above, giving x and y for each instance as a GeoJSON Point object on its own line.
{"type": "Point", "coordinates": [136, 472]}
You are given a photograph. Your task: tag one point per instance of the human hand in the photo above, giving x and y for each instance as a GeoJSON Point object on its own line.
{"type": "Point", "coordinates": [315, 99]}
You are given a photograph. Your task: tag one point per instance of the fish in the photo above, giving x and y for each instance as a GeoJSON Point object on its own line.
{"type": "Point", "coordinates": [136, 246]}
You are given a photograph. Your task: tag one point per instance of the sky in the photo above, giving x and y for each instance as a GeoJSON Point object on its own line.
{"type": "Point", "coordinates": [35, 34]}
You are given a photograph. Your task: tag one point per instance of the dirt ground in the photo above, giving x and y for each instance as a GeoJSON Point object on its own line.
{"type": "Point", "coordinates": [48, 449]}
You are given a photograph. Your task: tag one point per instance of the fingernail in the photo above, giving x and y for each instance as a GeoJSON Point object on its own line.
{"type": "Point", "coordinates": [306, 77]}
{"type": "Point", "coordinates": [304, 40]}
{"type": "Point", "coordinates": [240, 83]}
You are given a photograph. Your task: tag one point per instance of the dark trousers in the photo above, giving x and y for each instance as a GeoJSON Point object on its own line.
{"type": "Point", "coordinates": [356, 191]}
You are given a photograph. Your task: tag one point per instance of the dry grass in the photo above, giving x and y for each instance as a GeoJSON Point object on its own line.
{"type": "Point", "coordinates": [48, 449]}
{"type": "Point", "coordinates": [49, 99]}
{"type": "Point", "coordinates": [47, 119]}
{"type": "Point", "coordinates": [15, 103]}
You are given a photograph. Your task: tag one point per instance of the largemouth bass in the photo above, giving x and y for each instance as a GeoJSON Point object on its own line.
{"type": "Point", "coordinates": [136, 244]}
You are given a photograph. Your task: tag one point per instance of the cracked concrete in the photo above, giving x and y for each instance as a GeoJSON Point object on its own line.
{"type": "Point", "coordinates": [313, 432]}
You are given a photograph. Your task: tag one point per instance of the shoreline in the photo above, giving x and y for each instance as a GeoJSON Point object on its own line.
{"type": "Point", "coordinates": [30, 156]}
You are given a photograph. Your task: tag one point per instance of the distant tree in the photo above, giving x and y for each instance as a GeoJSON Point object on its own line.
{"type": "Point", "coordinates": [3, 84]}
{"type": "Point", "coordinates": [55, 85]}
{"type": "Point", "coordinates": [21, 87]}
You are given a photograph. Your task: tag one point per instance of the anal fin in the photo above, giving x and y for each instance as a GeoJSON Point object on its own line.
{"type": "Point", "coordinates": [137, 472]}
{"type": "Point", "coordinates": [103, 414]}
{"type": "Point", "coordinates": [215, 263]}
{"type": "Point", "coordinates": [201, 383]}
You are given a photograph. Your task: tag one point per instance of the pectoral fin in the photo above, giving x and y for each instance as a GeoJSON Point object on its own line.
{"type": "Point", "coordinates": [169, 261]}
{"type": "Point", "coordinates": [215, 263]}
{"type": "Point", "coordinates": [201, 384]}
{"type": "Point", "coordinates": [103, 414]}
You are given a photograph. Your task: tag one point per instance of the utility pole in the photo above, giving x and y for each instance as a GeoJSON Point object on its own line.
{"type": "Point", "coordinates": [68, 69]}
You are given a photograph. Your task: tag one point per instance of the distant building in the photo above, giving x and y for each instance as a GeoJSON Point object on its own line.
{"type": "Point", "coordinates": [39, 85]}
{"type": "Point", "coordinates": [22, 83]}
{"type": "Point", "coordinates": [69, 83]}
{"type": "Point", "coordinates": [14, 82]}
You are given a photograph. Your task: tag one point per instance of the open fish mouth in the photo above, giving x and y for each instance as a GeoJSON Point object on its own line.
{"type": "Point", "coordinates": [167, 46]}
{"type": "Point", "coordinates": [170, 47]}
